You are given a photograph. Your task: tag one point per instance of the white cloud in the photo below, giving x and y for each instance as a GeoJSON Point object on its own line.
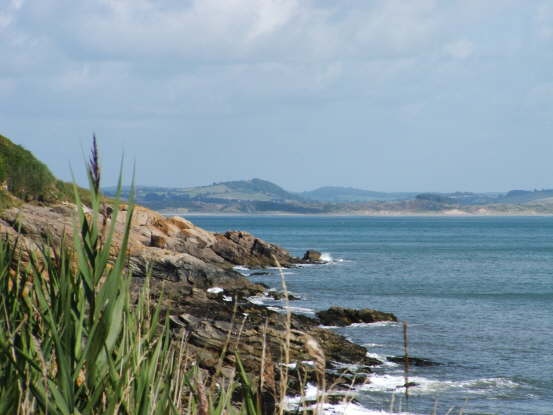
{"type": "Point", "coordinates": [460, 49]}
{"type": "Point", "coordinates": [194, 56]}
{"type": "Point", "coordinates": [7, 12]}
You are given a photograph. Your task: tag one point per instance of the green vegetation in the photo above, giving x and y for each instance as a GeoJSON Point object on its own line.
{"type": "Point", "coordinates": [260, 196]}
{"type": "Point", "coordinates": [73, 342]}
{"type": "Point", "coordinates": [255, 190]}
{"type": "Point", "coordinates": [24, 178]}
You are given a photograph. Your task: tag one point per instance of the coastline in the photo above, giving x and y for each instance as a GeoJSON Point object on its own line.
{"type": "Point", "coordinates": [357, 215]}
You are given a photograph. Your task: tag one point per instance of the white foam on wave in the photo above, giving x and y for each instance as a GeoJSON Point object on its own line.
{"type": "Point", "coordinates": [354, 409]}
{"type": "Point", "coordinates": [326, 257]}
{"type": "Point", "coordinates": [372, 345]}
{"type": "Point", "coordinates": [361, 325]}
{"type": "Point", "coordinates": [375, 324]}
{"type": "Point", "coordinates": [310, 393]}
{"type": "Point", "coordinates": [257, 299]}
{"type": "Point", "coordinates": [350, 367]}
{"type": "Point", "coordinates": [215, 290]}
{"type": "Point", "coordinates": [346, 407]}
{"type": "Point", "coordinates": [299, 309]}
{"type": "Point", "coordinates": [283, 309]}
{"type": "Point", "coordinates": [242, 270]}
{"type": "Point", "coordinates": [392, 383]}
{"type": "Point", "coordinates": [381, 358]}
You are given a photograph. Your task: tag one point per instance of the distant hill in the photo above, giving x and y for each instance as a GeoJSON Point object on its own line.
{"type": "Point", "coordinates": [336, 194]}
{"type": "Point", "coordinates": [261, 196]}
{"type": "Point", "coordinates": [246, 196]}
{"type": "Point", "coordinates": [23, 178]}
{"type": "Point", "coordinates": [251, 190]}
{"type": "Point", "coordinates": [525, 196]}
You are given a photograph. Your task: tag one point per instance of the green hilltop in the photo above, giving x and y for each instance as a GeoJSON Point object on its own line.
{"type": "Point", "coordinates": [24, 178]}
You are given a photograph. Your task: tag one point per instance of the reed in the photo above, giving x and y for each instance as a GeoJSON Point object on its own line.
{"type": "Point", "coordinates": [72, 341]}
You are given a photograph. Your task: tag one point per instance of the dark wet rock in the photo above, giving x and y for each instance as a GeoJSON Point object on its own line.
{"type": "Point", "coordinates": [312, 256]}
{"type": "Point", "coordinates": [279, 295]}
{"type": "Point", "coordinates": [259, 273]}
{"type": "Point", "coordinates": [208, 323]}
{"type": "Point", "coordinates": [339, 316]}
{"type": "Point", "coordinates": [185, 262]}
{"type": "Point", "coordinates": [413, 361]}
{"type": "Point", "coordinates": [242, 248]}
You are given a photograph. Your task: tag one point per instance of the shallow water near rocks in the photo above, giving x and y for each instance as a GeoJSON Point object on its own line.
{"type": "Point", "coordinates": [477, 294]}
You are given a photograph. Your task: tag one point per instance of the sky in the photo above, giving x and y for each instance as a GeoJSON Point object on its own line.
{"type": "Point", "coordinates": [389, 95]}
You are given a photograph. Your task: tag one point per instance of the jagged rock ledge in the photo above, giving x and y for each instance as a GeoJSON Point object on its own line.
{"type": "Point", "coordinates": [340, 316]}
{"type": "Point", "coordinates": [185, 261]}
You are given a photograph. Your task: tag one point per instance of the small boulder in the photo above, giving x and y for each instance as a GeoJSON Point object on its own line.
{"type": "Point", "coordinates": [280, 295]}
{"type": "Point", "coordinates": [312, 256]}
{"type": "Point", "coordinates": [339, 316]}
{"type": "Point", "coordinates": [413, 361]}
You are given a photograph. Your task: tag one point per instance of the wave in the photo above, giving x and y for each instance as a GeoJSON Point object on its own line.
{"type": "Point", "coordinates": [326, 257]}
{"type": "Point", "coordinates": [352, 409]}
{"type": "Point", "coordinates": [258, 299]}
{"type": "Point", "coordinates": [382, 358]}
{"type": "Point", "coordinates": [245, 271]}
{"type": "Point", "coordinates": [375, 324]}
{"type": "Point", "coordinates": [346, 407]}
{"type": "Point", "coordinates": [393, 383]}
{"type": "Point", "coordinates": [299, 309]}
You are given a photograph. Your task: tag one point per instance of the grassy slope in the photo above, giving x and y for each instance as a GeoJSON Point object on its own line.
{"type": "Point", "coordinates": [23, 178]}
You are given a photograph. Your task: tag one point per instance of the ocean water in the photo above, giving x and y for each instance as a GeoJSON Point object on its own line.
{"type": "Point", "coordinates": [477, 294]}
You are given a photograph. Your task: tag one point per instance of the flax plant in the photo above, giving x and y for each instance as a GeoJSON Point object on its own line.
{"type": "Point", "coordinates": [74, 342]}
{"type": "Point", "coordinates": [71, 342]}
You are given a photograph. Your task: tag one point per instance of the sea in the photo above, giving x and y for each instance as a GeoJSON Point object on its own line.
{"type": "Point", "coordinates": [476, 293]}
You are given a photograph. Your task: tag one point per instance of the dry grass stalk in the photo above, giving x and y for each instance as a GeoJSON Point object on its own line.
{"type": "Point", "coordinates": [286, 346]}
{"type": "Point", "coordinates": [406, 361]}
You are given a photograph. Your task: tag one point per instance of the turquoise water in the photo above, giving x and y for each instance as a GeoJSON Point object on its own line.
{"type": "Point", "coordinates": [477, 294]}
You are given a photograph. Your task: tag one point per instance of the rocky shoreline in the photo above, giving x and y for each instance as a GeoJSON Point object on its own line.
{"type": "Point", "coordinates": [193, 278]}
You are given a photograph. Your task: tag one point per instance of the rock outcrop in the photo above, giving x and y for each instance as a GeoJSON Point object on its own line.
{"type": "Point", "coordinates": [209, 322]}
{"type": "Point", "coordinates": [170, 248]}
{"type": "Point", "coordinates": [203, 296]}
{"type": "Point", "coordinates": [312, 256]}
{"type": "Point", "coordinates": [242, 248]}
{"type": "Point", "coordinates": [339, 316]}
